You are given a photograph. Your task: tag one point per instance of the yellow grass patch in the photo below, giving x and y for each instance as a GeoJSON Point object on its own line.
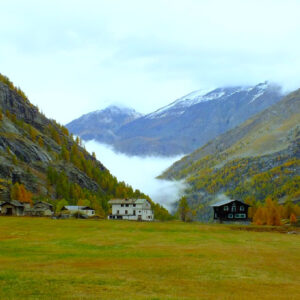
{"type": "Point", "coordinates": [83, 259]}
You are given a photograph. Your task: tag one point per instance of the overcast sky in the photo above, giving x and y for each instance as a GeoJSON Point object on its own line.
{"type": "Point", "coordinates": [72, 57]}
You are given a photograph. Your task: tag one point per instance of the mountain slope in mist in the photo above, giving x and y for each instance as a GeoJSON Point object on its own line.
{"type": "Point", "coordinates": [257, 159]}
{"type": "Point", "coordinates": [186, 124]}
{"type": "Point", "coordinates": [102, 125]}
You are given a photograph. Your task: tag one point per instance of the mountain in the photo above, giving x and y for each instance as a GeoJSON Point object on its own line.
{"type": "Point", "coordinates": [102, 125]}
{"type": "Point", "coordinates": [40, 160]}
{"type": "Point", "coordinates": [193, 120]}
{"type": "Point", "coordinates": [180, 127]}
{"type": "Point", "coordinates": [257, 159]}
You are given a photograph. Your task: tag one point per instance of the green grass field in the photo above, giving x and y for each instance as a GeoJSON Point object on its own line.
{"type": "Point", "coordinates": [91, 259]}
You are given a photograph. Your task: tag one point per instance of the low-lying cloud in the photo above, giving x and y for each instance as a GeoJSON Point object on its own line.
{"type": "Point", "coordinates": [140, 173]}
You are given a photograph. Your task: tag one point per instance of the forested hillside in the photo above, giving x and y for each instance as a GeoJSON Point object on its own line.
{"type": "Point", "coordinates": [41, 160]}
{"type": "Point", "coordinates": [258, 160]}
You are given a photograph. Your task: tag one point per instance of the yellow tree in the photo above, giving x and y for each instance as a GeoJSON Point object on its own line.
{"type": "Point", "coordinates": [293, 219]}
{"type": "Point", "coordinates": [20, 193]}
{"type": "Point", "coordinates": [273, 213]}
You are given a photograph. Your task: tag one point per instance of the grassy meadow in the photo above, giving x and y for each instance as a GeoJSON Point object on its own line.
{"type": "Point", "coordinates": [91, 259]}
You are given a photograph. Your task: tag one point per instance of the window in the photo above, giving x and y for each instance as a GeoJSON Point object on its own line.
{"type": "Point", "coordinates": [134, 205]}
{"type": "Point", "coordinates": [225, 208]}
{"type": "Point", "coordinates": [230, 216]}
{"type": "Point", "coordinates": [242, 208]}
{"type": "Point", "coordinates": [233, 209]}
{"type": "Point", "coordinates": [126, 212]}
{"type": "Point", "coordinates": [240, 216]}
{"type": "Point", "coordinates": [134, 212]}
{"type": "Point", "coordinates": [127, 205]}
{"type": "Point", "coordinates": [122, 205]}
{"type": "Point", "coordinates": [93, 212]}
{"type": "Point", "coordinates": [118, 212]}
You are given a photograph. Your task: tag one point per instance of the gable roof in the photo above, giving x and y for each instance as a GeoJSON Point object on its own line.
{"type": "Point", "coordinates": [75, 207]}
{"type": "Point", "coordinates": [127, 201]}
{"type": "Point", "coordinates": [224, 202]}
{"type": "Point", "coordinates": [121, 201]}
{"type": "Point", "coordinates": [43, 202]}
{"type": "Point", "coordinates": [15, 203]}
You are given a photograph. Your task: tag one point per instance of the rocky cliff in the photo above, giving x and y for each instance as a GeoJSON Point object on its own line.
{"type": "Point", "coordinates": [41, 155]}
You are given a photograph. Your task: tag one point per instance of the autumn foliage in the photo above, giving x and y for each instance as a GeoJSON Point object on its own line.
{"type": "Point", "coordinates": [19, 192]}
{"type": "Point", "coordinates": [269, 214]}
{"type": "Point", "coordinates": [293, 219]}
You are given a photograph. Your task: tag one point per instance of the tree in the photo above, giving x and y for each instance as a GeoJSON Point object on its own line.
{"type": "Point", "coordinates": [41, 142]}
{"type": "Point", "coordinates": [83, 202]}
{"type": "Point", "coordinates": [273, 214]}
{"type": "Point", "coordinates": [65, 155]}
{"type": "Point", "coordinates": [183, 209]}
{"type": "Point", "coordinates": [60, 204]}
{"type": "Point", "coordinates": [269, 214]}
{"type": "Point", "coordinates": [293, 219]}
{"type": "Point", "coordinates": [20, 193]}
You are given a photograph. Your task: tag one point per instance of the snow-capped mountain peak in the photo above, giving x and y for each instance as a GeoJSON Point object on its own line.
{"type": "Point", "coordinates": [179, 106]}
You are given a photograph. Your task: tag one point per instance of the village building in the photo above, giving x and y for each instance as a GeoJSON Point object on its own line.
{"type": "Point", "coordinates": [13, 208]}
{"type": "Point", "coordinates": [231, 210]}
{"type": "Point", "coordinates": [131, 209]}
{"type": "Point", "coordinates": [17, 208]}
{"type": "Point", "coordinates": [40, 208]}
{"type": "Point", "coordinates": [86, 210]}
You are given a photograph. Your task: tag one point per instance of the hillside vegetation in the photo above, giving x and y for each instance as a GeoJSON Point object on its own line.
{"type": "Point", "coordinates": [75, 259]}
{"type": "Point", "coordinates": [41, 160]}
{"type": "Point", "coordinates": [259, 159]}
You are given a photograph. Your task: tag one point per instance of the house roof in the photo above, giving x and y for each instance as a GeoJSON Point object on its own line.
{"type": "Point", "coordinates": [75, 207]}
{"type": "Point", "coordinates": [224, 202]}
{"type": "Point", "coordinates": [127, 201]}
{"type": "Point", "coordinates": [43, 202]}
{"type": "Point", "coordinates": [121, 201]}
{"type": "Point", "coordinates": [15, 203]}
{"type": "Point", "coordinates": [141, 201]}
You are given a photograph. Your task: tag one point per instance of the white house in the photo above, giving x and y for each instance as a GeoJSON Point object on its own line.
{"type": "Point", "coordinates": [82, 209]}
{"type": "Point", "coordinates": [131, 209]}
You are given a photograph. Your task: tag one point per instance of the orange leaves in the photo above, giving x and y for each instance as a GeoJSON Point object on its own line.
{"type": "Point", "coordinates": [19, 192]}
{"type": "Point", "coordinates": [269, 214]}
{"type": "Point", "coordinates": [293, 219]}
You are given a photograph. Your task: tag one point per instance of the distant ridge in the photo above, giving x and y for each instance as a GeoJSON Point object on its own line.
{"type": "Point", "coordinates": [180, 127]}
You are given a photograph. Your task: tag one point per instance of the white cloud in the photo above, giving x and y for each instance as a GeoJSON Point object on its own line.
{"type": "Point", "coordinates": [72, 57]}
{"type": "Point", "coordinates": [140, 173]}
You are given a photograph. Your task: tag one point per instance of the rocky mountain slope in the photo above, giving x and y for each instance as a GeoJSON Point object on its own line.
{"type": "Point", "coordinates": [41, 156]}
{"type": "Point", "coordinates": [102, 125]}
{"type": "Point", "coordinates": [186, 124]}
{"type": "Point", "coordinates": [257, 159]}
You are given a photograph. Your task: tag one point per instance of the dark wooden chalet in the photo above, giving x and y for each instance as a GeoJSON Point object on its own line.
{"type": "Point", "coordinates": [230, 210]}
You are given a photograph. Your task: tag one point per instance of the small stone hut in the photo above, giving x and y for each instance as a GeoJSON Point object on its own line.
{"type": "Point", "coordinates": [13, 208]}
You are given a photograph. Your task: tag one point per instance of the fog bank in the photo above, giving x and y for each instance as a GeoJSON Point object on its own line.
{"type": "Point", "coordinates": [140, 173]}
